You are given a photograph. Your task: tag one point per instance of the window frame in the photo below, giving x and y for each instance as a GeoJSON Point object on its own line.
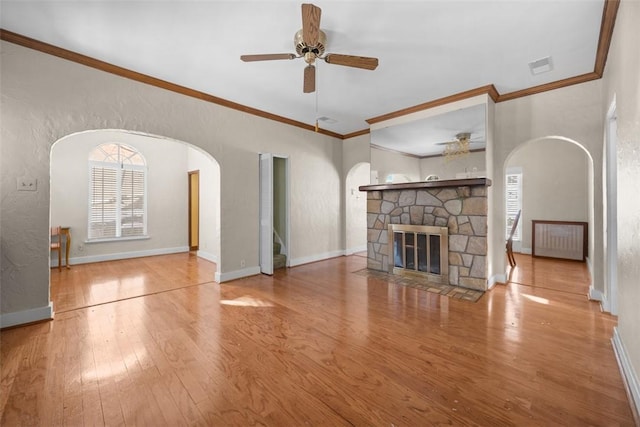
{"type": "Point", "coordinates": [120, 166]}
{"type": "Point", "coordinates": [511, 212]}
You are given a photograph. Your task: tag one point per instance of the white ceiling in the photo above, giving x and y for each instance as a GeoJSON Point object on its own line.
{"type": "Point", "coordinates": [428, 136]}
{"type": "Point", "coordinates": [427, 49]}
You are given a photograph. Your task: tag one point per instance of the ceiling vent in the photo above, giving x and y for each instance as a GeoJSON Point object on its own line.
{"type": "Point", "coordinates": [540, 66]}
{"type": "Point", "coordinates": [327, 119]}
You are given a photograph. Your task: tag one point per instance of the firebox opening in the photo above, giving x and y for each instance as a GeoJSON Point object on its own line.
{"type": "Point", "coordinates": [421, 250]}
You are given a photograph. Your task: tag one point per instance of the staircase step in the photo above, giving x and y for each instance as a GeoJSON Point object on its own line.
{"type": "Point", "coordinates": [276, 247]}
{"type": "Point", "coordinates": [279, 261]}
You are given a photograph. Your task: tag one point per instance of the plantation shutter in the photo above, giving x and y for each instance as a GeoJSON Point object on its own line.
{"type": "Point", "coordinates": [117, 199]}
{"type": "Point", "coordinates": [103, 210]}
{"type": "Point", "coordinates": [132, 203]}
{"type": "Point", "coordinates": [514, 203]}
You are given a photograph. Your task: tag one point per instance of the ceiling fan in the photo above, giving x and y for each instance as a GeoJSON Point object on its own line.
{"type": "Point", "coordinates": [458, 146]}
{"type": "Point", "coordinates": [310, 44]}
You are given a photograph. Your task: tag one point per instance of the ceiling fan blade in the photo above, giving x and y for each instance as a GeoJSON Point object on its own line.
{"type": "Point", "coordinates": [309, 85]}
{"type": "Point", "coordinates": [267, 57]}
{"type": "Point", "coordinates": [352, 61]}
{"type": "Point", "coordinates": [310, 24]}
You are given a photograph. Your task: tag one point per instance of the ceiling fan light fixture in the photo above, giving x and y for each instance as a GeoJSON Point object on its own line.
{"type": "Point", "coordinates": [310, 44]}
{"type": "Point", "coordinates": [302, 48]}
{"type": "Point", "coordinates": [457, 148]}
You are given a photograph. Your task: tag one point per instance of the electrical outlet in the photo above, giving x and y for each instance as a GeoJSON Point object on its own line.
{"type": "Point", "coordinates": [26, 183]}
{"type": "Point", "coordinates": [242, 263]}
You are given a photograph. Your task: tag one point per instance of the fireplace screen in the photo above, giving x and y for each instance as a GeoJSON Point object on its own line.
{"type": "Point", "coordinates": [420, 250]}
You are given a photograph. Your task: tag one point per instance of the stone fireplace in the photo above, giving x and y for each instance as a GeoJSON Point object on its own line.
{"type": "Point", "coordinates": [459, 205]}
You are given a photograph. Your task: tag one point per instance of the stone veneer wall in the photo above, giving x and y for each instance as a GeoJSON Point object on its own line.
{"type": "Point", "coordinates": [462, 209]}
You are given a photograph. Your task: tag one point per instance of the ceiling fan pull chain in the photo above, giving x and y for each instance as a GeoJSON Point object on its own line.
{"type": "Point", "coordinates": [316, 99]}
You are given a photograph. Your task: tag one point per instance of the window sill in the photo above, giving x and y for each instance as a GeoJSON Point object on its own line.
{"type": "Point", "coordinates": [116, 239]}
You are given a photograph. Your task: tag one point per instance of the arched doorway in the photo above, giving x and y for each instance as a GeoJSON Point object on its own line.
{"type": "Point", "coordinates": [356, 208]}
{"type": "Point", "coordinates": [556, 181]}
{"type": "Point", "coordinates": [164, 191]}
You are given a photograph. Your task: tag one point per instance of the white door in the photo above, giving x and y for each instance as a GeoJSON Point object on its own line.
{"type": "Point", "coordinates": [266, 213]}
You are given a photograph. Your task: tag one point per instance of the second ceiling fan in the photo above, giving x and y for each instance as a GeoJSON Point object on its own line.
{"type": "Point", "coordinates": [310, 44]}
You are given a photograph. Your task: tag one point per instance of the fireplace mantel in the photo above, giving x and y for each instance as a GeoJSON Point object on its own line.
{"type": "Point", "coordinates": [466, 182]}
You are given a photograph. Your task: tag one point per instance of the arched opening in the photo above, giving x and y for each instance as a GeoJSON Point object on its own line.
{"type": "Point", "coordinates": [556, 184]}
{"type": "Point", "coordinates": [79, 194]}
{"type": "Point", "coordinates": [356, 208]}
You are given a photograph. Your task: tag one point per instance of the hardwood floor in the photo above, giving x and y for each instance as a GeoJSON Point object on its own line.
{"type": "Point", "coordinates": [316, 345]}
{"type": "Point", "coordinates": [86, 285]}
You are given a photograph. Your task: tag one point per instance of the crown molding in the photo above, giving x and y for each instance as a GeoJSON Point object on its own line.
{"type": "Point", "coordinates": [391, 150]}
{"type": "Point", "coordinates": [484, 90]}
{"type": "Point", "coordinates": [143, 78]}
{"type": "Point", "coordinates": [606, 33]}
{"type": "Point", "coordinates": [609, 13]}
{"type": "Point", "coordinates": [549, 86]}
{"type": "Point", "coordinates": [356, 133]}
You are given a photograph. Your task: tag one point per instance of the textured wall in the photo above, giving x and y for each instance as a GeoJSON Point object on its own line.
{"type": "Point", "coordinates": [356, 208]}
{"type": "Point", "coordinates": [622, 81]}
{"type": "Point", "coordinates": [45, 98]}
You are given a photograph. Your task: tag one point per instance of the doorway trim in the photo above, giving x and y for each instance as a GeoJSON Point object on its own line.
{"type": "Point", "coordinates": [194, 210]}
{"type": "Point", "coordinates": [610, 300]}
{"type": "Point", "coordinates": [266, 228]}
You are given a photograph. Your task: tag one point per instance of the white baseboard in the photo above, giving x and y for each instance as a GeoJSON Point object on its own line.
{"type": "Point", "coordinates": [595, 294]}
{"type": "Point", "coordinates": [237, 274]}
{"type": "Point", "coordinates": [351, 251]}
{"type": "Point", "coordinates": [26, 316]}
{"type": "Point", "coordinates": [314, 258]}
{"type": "Point", "coordinates": [208, 256]}
{"type": "Point", "coordinates": [628, 374]}
{"type": "Point", "coordinates": [526, 251]}
{"type": "Point", "coordinates": [122, 255]}
{"type": "Point", "coordinates": [496, 278]}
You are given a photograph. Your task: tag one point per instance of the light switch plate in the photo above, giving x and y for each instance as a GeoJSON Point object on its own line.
{"type": "Point", "coordinates": [26, 183]}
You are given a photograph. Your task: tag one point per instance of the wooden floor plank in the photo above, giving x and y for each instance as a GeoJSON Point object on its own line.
{"type": "Point", "coordinates": [312, 345]}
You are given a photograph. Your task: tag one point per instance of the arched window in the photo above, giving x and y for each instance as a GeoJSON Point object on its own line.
{"type": "Point", "coordinates": [117, 193]}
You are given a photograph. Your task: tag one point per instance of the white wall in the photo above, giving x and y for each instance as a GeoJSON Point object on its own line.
{"type": "Point", "coordinates": [166, 196]}
{"type": "Point", "coordinates": [209, 171]}
{"type": "Point", "coordinates": [621, 80]}
{"type": "Point", "coordinates": [356, 208]}
{"type": "Point", "coordinates": [45, 98]}
{"type": "Point", "coordinates": [403, 168]}
{"type": "Point", "coordinates": [555, 183]}
{"type": "Point", "coordinates": [356, 155]}
{"type": "Point", "coordinates": [472, 163]}
{"type": "Point", "coordinates": [573, 113]}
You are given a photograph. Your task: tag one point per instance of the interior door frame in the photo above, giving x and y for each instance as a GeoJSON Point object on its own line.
{"type": "Point", "coordinates": [266, 211]}
{"type": "Point", "coordinates": [266, 214]}
{"type": "Point", "coordinates": [194, 196]}
{"type": "Point", "coordinates": [611, 211]}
